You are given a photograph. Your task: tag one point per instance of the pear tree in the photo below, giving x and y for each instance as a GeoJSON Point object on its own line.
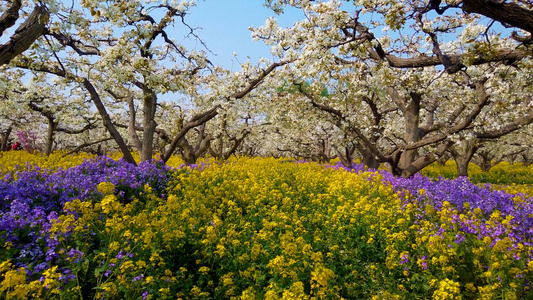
{"type": "Point", "coordinates": [437, 74]}
{"type": "Point", "coordinates": [126, 55]}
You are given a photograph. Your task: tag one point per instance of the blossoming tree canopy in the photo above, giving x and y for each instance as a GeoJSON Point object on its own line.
{"type": "Point", "coordinates": [440, 75]}
{"type": "Point", "coordinates": [125, 54]}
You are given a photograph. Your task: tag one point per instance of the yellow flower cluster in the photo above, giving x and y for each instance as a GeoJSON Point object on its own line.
{"type": "Point", "coordinates": [290, 218]}
{"type": "Point", "coordinates": [502, 173]}
{"type": "Point", "coordinates": [448, 289]}
{"type": "Point", "coordinates": [526, 189]}
{"type": "Point", "coordinates": [106, 188]}
{"type": "Point", "coordinates": [10, 160]}
{"type": "Point", "coordinates": [14, 284]}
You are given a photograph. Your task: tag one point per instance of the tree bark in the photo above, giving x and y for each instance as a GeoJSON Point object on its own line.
{"type": "Point", "coordinates": [369, 159]}
{"type": "Point", "coordinates": [346, 157]}
{"type": "Point", "coordinates": [411, 116]}
{"type": "Point", "coordinates": [423, 161]}
{"type": "Point", "coordinates": [149, 124]}
{"type": "Point", "coordinates": [507, 13]}
{"type": "Point", "coordinates": [52, 125]}
{"type": "Point", "coordinates": [485, 161]}
{"type": "Point", "coordinates": [132, 129]}
{"type": "Point", "coordinates": [462, 166]}
{"type": "Point", "coordinates": [5, 139]}
{"type": "Point", "coordinates": [108, 124]}
{"type": "Point", "coordinates": [10, 16]}
{"type": "Point", "coordinates": [195, 121]}
{"type": "Point", "coordinates": [191, 154]}
{"type": "Point", "coordinates": [25, 35]}
{"type": "Point", "coordinates": [525, 159]}
{"type": "Point", "coordinates": [412, 121]}
{"type": "Point", "coordinates": [463, 155]}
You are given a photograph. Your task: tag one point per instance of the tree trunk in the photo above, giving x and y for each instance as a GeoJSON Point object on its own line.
{"type": "Point", "coordinates": [512, 159]}
{"type": "Point", "coordinates": [411, 114]}
{"type": "Point", "coordinates": [196, 120]}
{"type": "Point", "coordinates": [346, 157]}
{"type": "Point", "coordinates": [462, 165]}
{"type": "Point", "coordinates": [484, 161]}
{"type": "Point", "coordinates": [191, 154]}
{"type": "Point", "coordinates": [5, 139]}
{"type": "Point", "coordinates": [52, 125]}
{"type": "Point", "coordinates": [525, 160]}
{"type": "Point", "coordinates": [371, 162]}
{"type": "Point", "coordinates": [149, 124]}
{"type": "Point", "coordinates": [462, 154]}
{"type": "Point", "coordinates": [417, 165]}
{"type": "Point", "coordinates": [423, 161]}
{"type": "Point", "coordinates": [188, 157]}
{"type": "Point", "coordinates": [369, 159]}
{"type": "Point", "coordinates": [108, 124]}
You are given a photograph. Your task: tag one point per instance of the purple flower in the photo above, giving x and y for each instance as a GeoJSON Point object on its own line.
{"type": "Point", "coordinates": [459, 239]}
{"type": "Point", "coordinates": [404, 259]}
{"type": "Point", "coordinates": [39, 267]}
{"type": "Point", "coordinates": [137, 278]}
{"type": "Point", "coordinates": [50, 255]}
{"type": "Point", "coordinates": [75, 255]}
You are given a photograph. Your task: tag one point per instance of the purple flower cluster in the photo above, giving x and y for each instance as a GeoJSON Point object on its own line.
{"type": "Point", "coordinates": [31, 198]}
{"type": "Point", "coordinates": [50, 190]}
{"type": "Point", "coordinates": [355, 167]}
{"type": "Point", "coordinates": [460, 191]}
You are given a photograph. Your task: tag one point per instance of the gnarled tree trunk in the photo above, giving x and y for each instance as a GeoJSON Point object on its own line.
{"type": "Point", "coordinates": [462, 154]}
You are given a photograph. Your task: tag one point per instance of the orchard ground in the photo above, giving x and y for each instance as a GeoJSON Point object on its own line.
{"type": "Point", "coordinates": [80, 227]}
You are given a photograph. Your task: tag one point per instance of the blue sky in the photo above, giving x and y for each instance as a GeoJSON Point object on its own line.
{"type": "Point", "coordinates": [224, 28]}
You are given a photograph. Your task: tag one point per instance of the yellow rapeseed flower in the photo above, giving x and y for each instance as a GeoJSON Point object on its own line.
{"type": "Point", "coordinates": [106, 188]}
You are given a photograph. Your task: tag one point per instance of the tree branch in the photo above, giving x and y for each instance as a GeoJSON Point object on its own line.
{"type": "Point", "coordinates": [453, 61]}
{"type": "Point", "coordinates": [74, 131]}
{"type": "Point", "coordinates": [10, 16]}
{"type": "Point", "coordinates": [254, 83]}
{"type": "Point", "coordinates": [483, 100]}
{"type": "Point", "coordinates": [515, 125]}
{"type": "Point", "coordinates": [86, 145]}
{"type": "Point", "coordinates": [195, 121]}
{"type": "Point", "coordinates": [506, 13]}
{"type": "Point", "coordinates": [32, 28]}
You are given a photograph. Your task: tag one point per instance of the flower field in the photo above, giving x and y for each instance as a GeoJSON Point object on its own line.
{"type": "Point", "coordinates": [82, 227]}
{"type": "Point", "coordinates": [502, 173]}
